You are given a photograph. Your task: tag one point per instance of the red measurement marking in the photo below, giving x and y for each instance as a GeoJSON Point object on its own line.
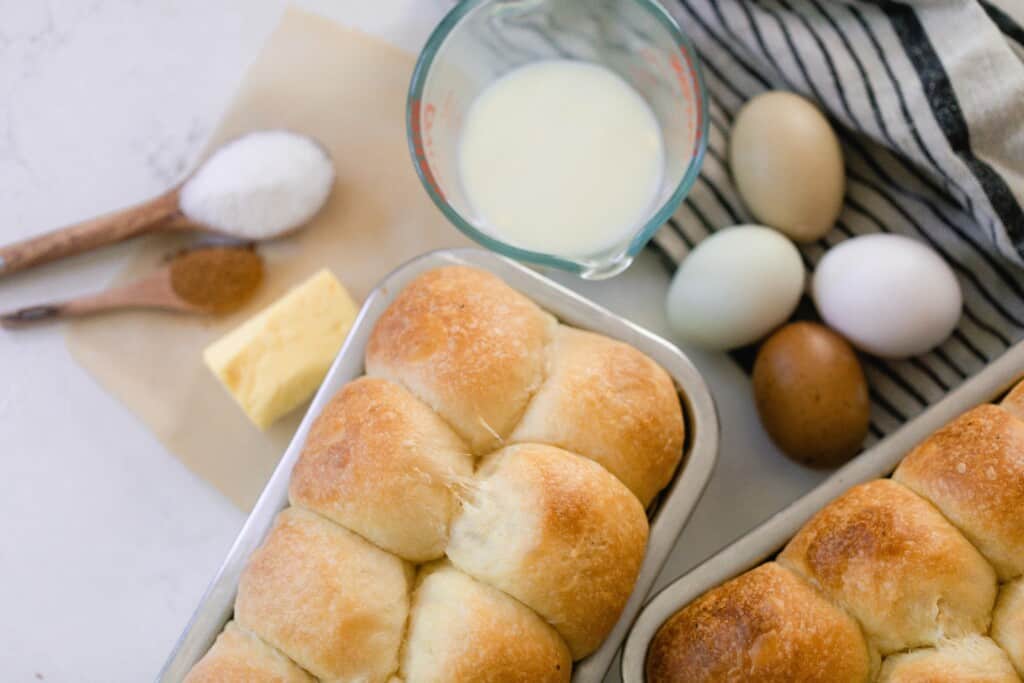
{"type": "Point", "coordinates": [682, 75]}
{"type": "Point", "coordinates": [685, 75]}
{"type": "Point", "coordinates": [421, 151]}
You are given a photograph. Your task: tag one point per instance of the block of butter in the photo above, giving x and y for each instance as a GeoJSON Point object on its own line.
{"type": "Point", "coordinates": [276, 360]}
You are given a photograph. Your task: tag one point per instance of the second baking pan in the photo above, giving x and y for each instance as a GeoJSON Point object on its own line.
{"type": "Point", "coordinates": [769, 538]}
{"type": "Point", "coordinates": [668, 513]}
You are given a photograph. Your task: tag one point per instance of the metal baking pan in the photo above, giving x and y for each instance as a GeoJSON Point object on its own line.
{"type": "Point", "coordinates": [668, 513]}
{"type": "Point", "coordinates": [768, 539]}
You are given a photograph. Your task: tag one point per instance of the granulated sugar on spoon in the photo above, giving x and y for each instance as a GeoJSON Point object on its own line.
{"type": "Point", "coordinates": [256, 187]}
{"type": "Point", "coordinates": [206, 280]}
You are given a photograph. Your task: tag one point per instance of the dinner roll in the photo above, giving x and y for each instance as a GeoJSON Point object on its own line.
{"type": "Point", "coordinates": [607, 401]}
{"type": "Point", "coordinates": [1008, 622]}
{"type": "Point", "coordinates": [557, 532]}
{"type": "Point", "coordinates": [893, 561]}
{"type": "Point", "coordinates": [764, 626]}
{"type": "Point", "coordinates": [240, 657]}
{"type": "Point", "coordinates": [972, 659]}
{"type": "Point", "coordinates": [973, 471]}
{"type": "Point", "coordinates": [461, 631]}
{"type": "Point", "coordinates": [331, 601]}
{"type": "Point", "coordinates": [468, 345]}
{"type": "Point", "coordinates": [1013, 402]}
{"type": "Point", "coordinates": [381, 463]}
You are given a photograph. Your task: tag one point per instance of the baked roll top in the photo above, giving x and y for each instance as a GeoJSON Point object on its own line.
{"type": "Point", "coordinates": [973, 471]}
{"type": "Point", "coordinates": [240, 657]}
{"type": "Point", "coordinates": [558, 533]}
{"type": "Point", "coordinates": [767, 625]}
{"type": "Point", "coordinates": [971, 659]}
{"type": "Point", "coordinates": [326, 598]}
{"type": "Point", "coordinates": [412, 463]}
{"type": "Point", "coordinates": [892, 561]}
{"type": "Point", "coordinates": [469, 346]}
{"type": "Point", "coordinates": [607, 401]}
{"type": "Point", "coordinates": [462, 631]}
{"type": "Point", "coordinates": [1008, 622]}
{"type": "Point", "coordinates": [381, 463]}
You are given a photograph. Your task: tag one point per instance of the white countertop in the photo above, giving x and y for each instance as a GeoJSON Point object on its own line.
{"type": "Point", "coordinates": [107, 540]}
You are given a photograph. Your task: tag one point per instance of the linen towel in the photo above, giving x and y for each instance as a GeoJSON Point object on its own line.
{"type": "Point", "coordinates": [928, 101]}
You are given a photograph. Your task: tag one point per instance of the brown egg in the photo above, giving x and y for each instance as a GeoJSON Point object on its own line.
{"type": "Point", "coordinates": [811, 394]}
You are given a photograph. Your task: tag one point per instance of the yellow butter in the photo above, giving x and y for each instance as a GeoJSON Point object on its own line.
{"type": "Point", "coordinates": [275, 361]}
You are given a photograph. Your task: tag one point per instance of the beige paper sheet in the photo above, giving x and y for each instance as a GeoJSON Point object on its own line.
{"type": "Point", "coordinates": [347, 90]}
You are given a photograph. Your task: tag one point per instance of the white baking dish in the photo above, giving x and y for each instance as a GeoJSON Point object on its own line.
{"type": "Point", "coordinates": [668, 513]}
{"type": "Point", "coordinates": [769, 538]}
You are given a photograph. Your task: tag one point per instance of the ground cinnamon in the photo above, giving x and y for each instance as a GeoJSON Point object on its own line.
{"type": "Point", "coordinates": [217, 279]}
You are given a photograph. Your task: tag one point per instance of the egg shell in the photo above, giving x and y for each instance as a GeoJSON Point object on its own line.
{"type": "Point", "coordinates": [788, 165]}
{"type": "Point", "coordinates": [811, 394]}
{"type": "Point", "coordinates": [889, 295]}
{"type": "Point", "coordinates": [735, 287]}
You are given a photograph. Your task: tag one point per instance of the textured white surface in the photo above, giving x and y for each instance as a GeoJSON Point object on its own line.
{"type": "Point", "coordinates": [106, 541]}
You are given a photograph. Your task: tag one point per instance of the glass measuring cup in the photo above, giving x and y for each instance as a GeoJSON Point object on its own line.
{"type": "Point", "coordinates": [479, 41]}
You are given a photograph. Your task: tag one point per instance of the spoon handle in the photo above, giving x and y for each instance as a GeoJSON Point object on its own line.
{"type": "Point", "coordinates": [96, 232]}
{"type": "Point", "coordinates": [152, 291]}
{"type": "Point", "coordinates": [86, 305]}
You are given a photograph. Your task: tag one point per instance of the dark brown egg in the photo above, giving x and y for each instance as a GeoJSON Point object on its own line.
{"type": "Point", "coordinates": [811, 394]}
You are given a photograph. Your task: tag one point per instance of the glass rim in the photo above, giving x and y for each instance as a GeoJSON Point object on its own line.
{"type": "Point", "coordinates": [581, 267]}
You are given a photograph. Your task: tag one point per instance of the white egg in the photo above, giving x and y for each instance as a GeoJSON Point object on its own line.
{"type": "Point", "coordinates": [735, 287]}
{"type": "Point", "coordinates": [889, 295]}
{"type": "Point", "coordinates": [788, 165]}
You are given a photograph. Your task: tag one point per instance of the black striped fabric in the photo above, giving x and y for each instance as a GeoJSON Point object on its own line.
{"type": "Point", "coordinates": [928, 101]}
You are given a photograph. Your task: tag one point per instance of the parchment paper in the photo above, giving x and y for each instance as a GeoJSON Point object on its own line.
{"type": "Point", "coordinates": [347, 90]}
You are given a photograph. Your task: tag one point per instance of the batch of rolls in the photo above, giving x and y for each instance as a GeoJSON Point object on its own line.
{"type": "Point", "coordinates": [885, 294]}
{"type": "Point", "coordinates": [473, 509]}
{"type": "Point", "coordinates": [914, 579]}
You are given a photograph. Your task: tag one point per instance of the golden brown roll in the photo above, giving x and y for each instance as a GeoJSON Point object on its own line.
{"type": "Point", "coordinates": [469, 346]}
{"type": "Point", "coordinates": [1008, 622]}
{"type": "Point", "coordinates": [326, 598]}
{"type": "Point", "coordinates": [607, 401]}
{"type": "Point", "coordinates": [765, 626]}
{"type": "Point", "coordinates": [893, 562]}
{"type": "Point", "coordinates": [973, 471]}
{"type": "Point", "coordinates": [1014, 401]}
{"type": "Point", "coordinates": [381, 463]}
{"type": "Point", "coordinates": [557, 532]}
{"type": "Point", "coordinates": [462, 631]}
{"type": "Point", "coordinates": [240, 657]}
{"type": "Point", "coordinates": [972, 659]}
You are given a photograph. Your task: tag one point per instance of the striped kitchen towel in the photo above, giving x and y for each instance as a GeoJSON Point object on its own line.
{"type": "Point", "coordinates": [928, 101]}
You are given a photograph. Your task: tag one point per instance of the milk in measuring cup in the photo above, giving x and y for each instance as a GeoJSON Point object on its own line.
{"type": "Point", "coordinates": [561, 157]}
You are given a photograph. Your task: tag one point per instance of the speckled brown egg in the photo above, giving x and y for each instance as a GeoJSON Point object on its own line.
{"type": "Point", "coordinates": [811, 394]}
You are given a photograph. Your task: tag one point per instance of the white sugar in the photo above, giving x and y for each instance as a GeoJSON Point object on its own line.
{"type": "Point", "coordinates": [260, 185]}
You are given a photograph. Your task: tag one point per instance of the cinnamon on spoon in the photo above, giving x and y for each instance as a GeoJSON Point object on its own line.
{"type": "Point", "coordinates": [203, 280]}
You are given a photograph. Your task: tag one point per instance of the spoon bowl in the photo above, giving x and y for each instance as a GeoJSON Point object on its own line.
{"type": "Point", "coordinates": [275, 165]}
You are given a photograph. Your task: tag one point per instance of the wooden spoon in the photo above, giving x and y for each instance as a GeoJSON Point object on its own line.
{"type": "Point", "coordinates": [159, 213]}
{"type": "Point", "coordinates": [164, 213]}
{"type": "Point", "coordinates": [151, 291]}
{"type": "Point", "coordinates": [211, 278]}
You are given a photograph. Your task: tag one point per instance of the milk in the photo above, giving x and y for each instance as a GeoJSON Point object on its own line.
{"type": "Point", "coordinates": [561, 157]}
